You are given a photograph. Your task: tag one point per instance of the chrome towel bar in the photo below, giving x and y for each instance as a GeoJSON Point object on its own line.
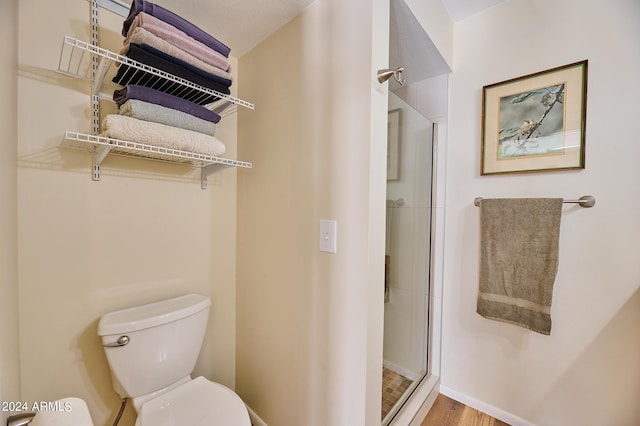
{"type": "Point", "coordinates": [584, 201]}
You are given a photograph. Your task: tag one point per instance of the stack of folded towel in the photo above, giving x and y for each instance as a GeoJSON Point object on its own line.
{"type": "Point", "coordinates": [151, 110]}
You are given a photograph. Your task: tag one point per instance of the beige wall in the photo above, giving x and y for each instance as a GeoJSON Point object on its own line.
{"type": "Point", "coordinates": [9, 361]}
{"type": "Point", "coordinates": [588, 371]}
{"type": "Point", "coordinates": [146, 231]}
{"type": "Point", "coordinates": [310, 323]}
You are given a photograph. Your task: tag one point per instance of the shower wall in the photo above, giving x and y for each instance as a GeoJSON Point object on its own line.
{"type": "Point", "coordinates": [405, 322]}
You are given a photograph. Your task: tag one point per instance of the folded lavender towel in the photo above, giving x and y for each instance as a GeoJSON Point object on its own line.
{"type": "Point", "coordinates": [214, 78]}
{"type": "Point", "coordinates": [147, 55]}
{"type": "Point", "coordinates": [140, 35]}
{"type": "Point", "coordinates": [146, 111]}
{"type": "Point", "coordinates": [177, 38]}
{"type": "Point", "coordinates": [519, 240]}
{"type": "Point", "coordinates": [180, 23]}
{"type": "Point", "coordinates": [147, 94]}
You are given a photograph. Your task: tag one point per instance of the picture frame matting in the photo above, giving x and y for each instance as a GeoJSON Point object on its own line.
{"type": "Point", "coordinates": [535, 122]}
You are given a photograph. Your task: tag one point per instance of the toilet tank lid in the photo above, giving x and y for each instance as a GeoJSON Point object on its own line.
{"type": "Point", "coordinates": [152, 314]}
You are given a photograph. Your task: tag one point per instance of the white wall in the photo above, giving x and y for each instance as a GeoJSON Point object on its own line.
{"type": "Point", "coordinates": [434, 18]}
{"type": "Point", "coordinates": [429, 97]}
{"type": "Point", "coordinates": [9, 361]}
{"type": "Point", "coordinates": [146, 231]}
{"type": "Point", "coordinates": [587, 372]}
{"type": "Point", "coordinates": [310, 323]}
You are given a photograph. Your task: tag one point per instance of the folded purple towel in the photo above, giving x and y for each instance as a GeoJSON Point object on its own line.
{"type": "Point", "coordinates": [130, 75]}
{"type": "Point", "coordinates": [147, 94]}
{"type": "Point", "coordinates": [180, 23]}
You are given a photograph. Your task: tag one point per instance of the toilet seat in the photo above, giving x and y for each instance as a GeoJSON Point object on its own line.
{"type": "Point", "coordinates": [199, 402]}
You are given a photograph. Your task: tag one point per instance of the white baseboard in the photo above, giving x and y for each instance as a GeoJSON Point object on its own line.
{"type": "Point", "coordinates": [499, 414]}
{"type": "Point", "coordinates": [255, 419]}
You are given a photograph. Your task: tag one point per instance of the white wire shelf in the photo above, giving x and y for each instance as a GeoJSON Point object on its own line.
{"type": "Point", "coordinates": [101, 146]}
{"type": "Point", "coordinates": [75, 60]}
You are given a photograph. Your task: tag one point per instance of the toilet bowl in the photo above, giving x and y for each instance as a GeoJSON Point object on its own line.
{"type": "Point", "coordinates": [152, 350]}
{"type": "Point", "coordinates": [196, 403]}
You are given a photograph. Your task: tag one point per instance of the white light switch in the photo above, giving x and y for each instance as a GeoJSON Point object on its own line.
{"type": "Point", "coordinates": [328, 235]}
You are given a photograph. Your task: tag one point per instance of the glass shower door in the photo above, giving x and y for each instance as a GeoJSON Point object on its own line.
{"type": "Point", "coordinates": [408, 241]}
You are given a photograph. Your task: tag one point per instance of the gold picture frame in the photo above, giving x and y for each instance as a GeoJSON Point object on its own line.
{"type": "Point", "coordinates": [536, 122]}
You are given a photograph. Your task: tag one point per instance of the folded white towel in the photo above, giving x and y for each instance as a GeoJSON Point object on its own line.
{"type": "Point", "coordinates": [131, 129]}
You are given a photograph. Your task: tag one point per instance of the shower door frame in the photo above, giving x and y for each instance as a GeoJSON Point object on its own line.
{"type": "Point", "coordinates": [419, 402]}
{"type": "Point", "coordinates": [413, 398]}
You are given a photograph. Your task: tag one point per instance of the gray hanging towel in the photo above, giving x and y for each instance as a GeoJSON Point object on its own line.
{"type": "Point", "coordinates": [519, 240]}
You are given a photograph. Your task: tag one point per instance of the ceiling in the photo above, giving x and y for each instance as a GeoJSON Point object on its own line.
{"type": "Point", "coordinates": [461, 9]}
{"type": "Point", "coordinates": [242, 24]}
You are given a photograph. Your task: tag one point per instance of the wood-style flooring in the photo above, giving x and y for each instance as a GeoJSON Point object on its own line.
{"type": "Point", "coordinates": [448, 412]}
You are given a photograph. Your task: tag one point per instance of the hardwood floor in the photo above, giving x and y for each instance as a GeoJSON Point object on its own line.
{"type": "Point", "coordinates": [448, 412]}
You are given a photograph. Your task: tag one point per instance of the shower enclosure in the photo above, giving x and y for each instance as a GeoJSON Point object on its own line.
{"type": "Point", "coordinates": [408, 243]}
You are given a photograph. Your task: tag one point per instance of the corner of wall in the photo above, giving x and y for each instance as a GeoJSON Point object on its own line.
{"type": "Point", "coordinates": [9, 353]}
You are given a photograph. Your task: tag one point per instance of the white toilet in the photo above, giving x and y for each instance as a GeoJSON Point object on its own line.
{"type": "Point", "coordinates": [152, 350]}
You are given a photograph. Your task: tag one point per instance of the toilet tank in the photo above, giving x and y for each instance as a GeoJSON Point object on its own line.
{"type": "Point", "coordinates": [163, 340]}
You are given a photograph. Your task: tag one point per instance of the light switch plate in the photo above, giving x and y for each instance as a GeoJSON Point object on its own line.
{"type": "Point", "coordinates": [328, 235]}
